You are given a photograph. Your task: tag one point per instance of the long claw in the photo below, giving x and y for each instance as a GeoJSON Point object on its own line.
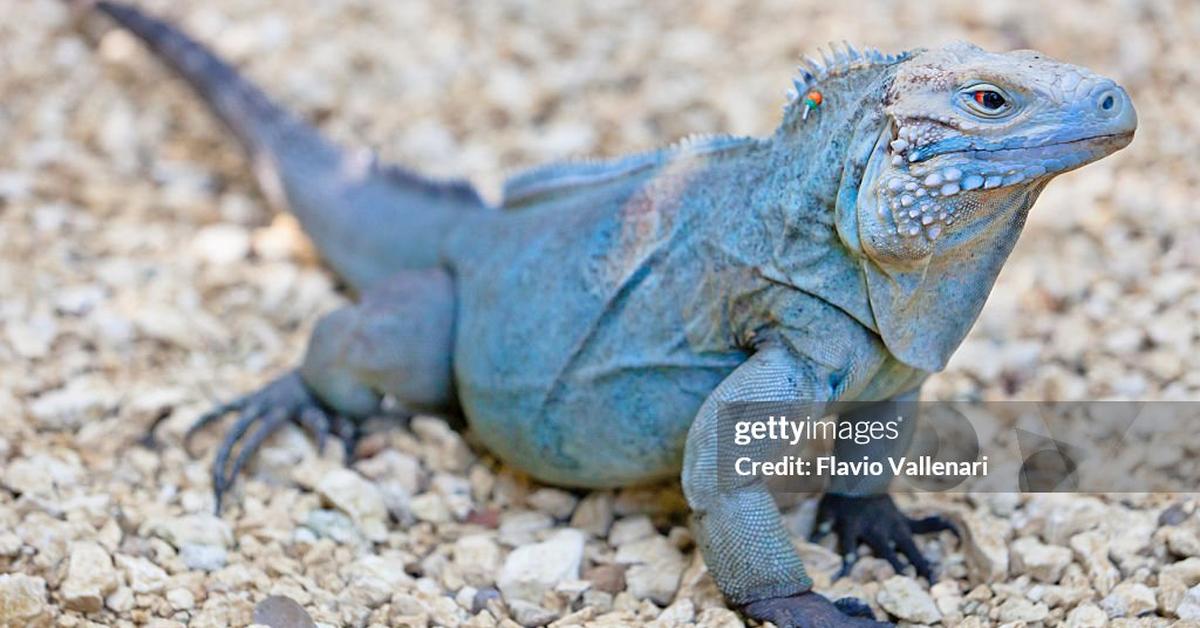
{"type": "Point", "coordinates": [210, 417]}
{"type": "Point", "coordinates": [885, 551]}
{"type": "Point", "coordinates": [221, 460]}
{"type": "Point", "coordinates": [287, 398]}
{"type": "Point", "coordinates": [849, 560]}
{"type": "Point", "coordinates": [149, 438]}
{"type": "Point", "coordinates": [909, 548]}
{"type": "Point", "coordinates": [349, 433]}
{"type": "Point", "coordinates": [854, 607]}
{"type": "Point", "coordinates": [821, 530]}
{"type": "Point", "coordinates": [932, 523]}
{"type": "Point", "coordinates": [875, 521]}
{"type": "Point", "coordinates": [270, 424]}
{"type": "Point", "coordinates": [317, 422]}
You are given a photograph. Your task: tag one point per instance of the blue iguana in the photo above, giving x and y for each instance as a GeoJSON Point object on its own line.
{"type": "Point", "coordinates": [591, 326]}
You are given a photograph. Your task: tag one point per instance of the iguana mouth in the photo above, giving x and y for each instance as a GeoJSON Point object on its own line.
{"type": "Point", "coordinates": [1081, 140]}
{"type": "Point", "coordinates": [1012, 150]}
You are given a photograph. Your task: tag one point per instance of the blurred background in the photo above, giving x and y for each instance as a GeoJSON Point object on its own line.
{"type": "Point", "coordinates": [143, 275]}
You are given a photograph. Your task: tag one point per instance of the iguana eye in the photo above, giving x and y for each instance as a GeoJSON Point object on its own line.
{"type": "Point", "coordinates": [986, 100]}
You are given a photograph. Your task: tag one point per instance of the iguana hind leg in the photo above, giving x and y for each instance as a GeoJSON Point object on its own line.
{"type": "Point", "coordinates": [397, 341]}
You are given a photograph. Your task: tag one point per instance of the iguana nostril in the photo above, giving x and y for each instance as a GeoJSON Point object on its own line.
{"type": "Point", "coordinates": [1109, 101]}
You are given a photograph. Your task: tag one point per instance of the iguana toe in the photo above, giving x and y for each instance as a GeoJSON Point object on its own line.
{"type": "Point", "coordinates": [875, 521]}
{"type": "Point", "coordinates": [286, 399]}
{"type": "Point", "coordinates": [810, 610]}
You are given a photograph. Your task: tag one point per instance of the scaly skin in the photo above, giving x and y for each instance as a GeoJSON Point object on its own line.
{"type": "Point", "coordinates": [592, 328]}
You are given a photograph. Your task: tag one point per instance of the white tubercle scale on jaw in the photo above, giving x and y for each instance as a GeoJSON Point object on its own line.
{"type": "Point", "coordinates": [914, 207]}
{"type": "Point", "coordinates": [921, 197]}
{"type": "Point", "coordinates": [918, 198]}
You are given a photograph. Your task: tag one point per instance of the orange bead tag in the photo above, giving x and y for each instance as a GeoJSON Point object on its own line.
{"type": "Point", "coordinates": [812, 100]}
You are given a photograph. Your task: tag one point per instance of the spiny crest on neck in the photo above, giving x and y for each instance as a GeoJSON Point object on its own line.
{"type": "Point", "coordinates": [813, 75]}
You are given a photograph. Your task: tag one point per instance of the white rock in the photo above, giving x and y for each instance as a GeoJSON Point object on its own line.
{"type": "Point", "coordinates": [602, 601]}
{"type": "Point", "coordinates": [655, 567]}
{"type": "Point", "coordinates": [398, 500]}
{"type": "Point", "coordinates": [333, 524]}
{"type": "Point", "coordinates": [90, 577]}
{"type": "Point", "coordinates": [947, 596]}
{"type": "Point", "coordinates": [455, 491]}
{"type": "Point", "coordinates": [22, 600]}
{"type": "Point", "coordinates": [221, 243]}
{"type": "Point", "coordinates": [818, 558]}
{"type": "Point", "coordinates": [1182, 541]}
{"type": "Point", "coordinates": [41, 475]}
{"type": "Point", "coordinates": [477, 557]}
{"type": "Point", "coordinates": [1091, 551]}
{"type": "Point", "coordinates": [719, 618]}
{"type": "Point", "coordinates": [32, 338]}
{"type": "Point", "coordinates": [530, 615]}
{"type": "Point", "coordinates": [449, 451]}
{"type": "Point", "coordinates": [203, 557]}
{"type": "Point", "coordinates": [352, 494]}
{"type": "Point", "coordinates": [680, 613]}
{"type": "Point", "coordinates": [1062, 515]}
{"type": "Point", "coordinates": [142, 575]}
{"type": "Point", "coordinates": [395, 466]}
{"type": "Point", "coordinates": [82, 400]}
{"type": "Point", "coordinates": [1186, 571]}
{"type": "Point", "coordinates": [555, 502]}
{"type": "Point", "coordinates": [1169, 593]}
{"type": "Point", "coordinates": [1129, 599]}
{"type": "Point", "coordinates": [1189, 608]}
{"type": "Point", "coordinates": [430, 507]}
{"type": "Point", "coordinates": [531, 570]}
{"type": "Point", "coordinates": [181, 599]}
{"type": "Point", "coordinates": [631, 529]}
{"type": "Point", "coordinates": [1002, 504]}
{"type": "Point", "coordinates": [1017, 609]}
{"type": "Point", "coordinates": [1056, 596]}
{"type": "Point", "coordinates": [1040, 561]}
{"type": "Point", "coordinates": [194, 529]}
{"type": "Point", "coordinates": [78, 300]}
{"type": "Point", "coordinates": [986, 547]}
{"type": "Point", "coordinates": [594, 514]}
{"type": "Point", "coordinates": [1086, 615]}
{"type": "Point", "coordinates": [10, 544]}
{"type": "Point", "coordinates": [520, 527]}
{"type": "Point", "coordinates": [389, 567]}
{"type": "Point", "coordinates": [120, 601]}
{"type": "Point", "coordinates": [903, 597]}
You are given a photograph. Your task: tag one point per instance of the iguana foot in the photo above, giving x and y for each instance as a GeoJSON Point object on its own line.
{"type": "Point", "coordinates": [286, 399]}
{"type": "Point", "coordinates": [875, 521]}
{"type": "Point", "coordinates": [810, 610]}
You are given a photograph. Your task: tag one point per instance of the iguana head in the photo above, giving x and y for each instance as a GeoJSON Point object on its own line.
{"type": "Point", "coordinates": [968, 134]}
{"type": "Point", "coordinates": [944, 154]}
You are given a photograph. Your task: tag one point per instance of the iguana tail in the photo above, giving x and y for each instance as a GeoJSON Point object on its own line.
{"type": "Point", "coordinates": [367, 219]}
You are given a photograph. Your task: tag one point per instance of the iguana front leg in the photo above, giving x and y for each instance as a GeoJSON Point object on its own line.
{"type": "Point", "coordinates": [859, 509]}
{"type": "Point", "coordinates": [397, 341]}
{"type": "Point", "coordinates": [737, 524]}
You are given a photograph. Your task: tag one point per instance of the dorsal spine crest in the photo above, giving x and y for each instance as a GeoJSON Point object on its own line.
{"type": "Point", "coordinates": [835, 62]}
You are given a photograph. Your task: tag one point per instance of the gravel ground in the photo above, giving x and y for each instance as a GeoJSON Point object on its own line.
{"type": "Point", "coordinates": [143, 276]}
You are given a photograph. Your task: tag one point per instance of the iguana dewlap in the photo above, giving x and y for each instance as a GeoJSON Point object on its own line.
{"type": "Point", "coordinates": [591, 326]}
